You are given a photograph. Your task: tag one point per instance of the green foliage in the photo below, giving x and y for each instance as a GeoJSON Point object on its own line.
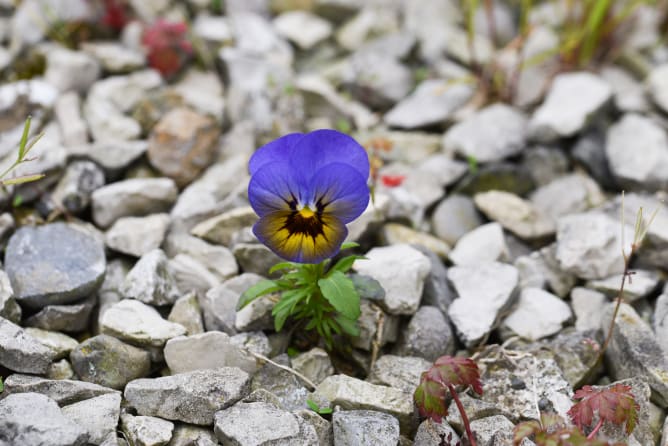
{"type": "Point", "coordinates": [552, 430]}
{"type": "Point", "coordinates": [22, 157]}
{"type": "Point", "coordinates": [320, 295]}
{"type": "Point", "coordinates": [317, 409]}
{"type": "Point", "coordinates": [615, 404]}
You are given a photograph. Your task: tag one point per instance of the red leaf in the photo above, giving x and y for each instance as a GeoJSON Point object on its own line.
{"type": "Point", "coordinates": [392, 180]}
{"type": "Point", "coordinates": [430, 396]}
{"type": "Point", "coordinates": [167, 46]}
{"type": "Point", "coordinates": [459, 371]}
{"type": "Point", "coordinates": [115, 14]}
{"type": "Point", "coordinates": [615, 404]}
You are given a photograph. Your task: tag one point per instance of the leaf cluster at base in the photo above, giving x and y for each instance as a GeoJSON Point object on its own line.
{"type": "Point", "coordinates": [322, 296]}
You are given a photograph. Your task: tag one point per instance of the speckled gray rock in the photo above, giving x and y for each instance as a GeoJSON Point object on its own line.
{"type": "Point", "coordinates": [189, 435]}
{"type": "Point", "coordinates": [646, 172]}
{"type": "Point", "coordinates": [429, 433]}
{"type": "Point", "coordinates": [352, 394]}
{"type": "Point", "coordinates": [314, 364]}
{"type": "Point", "coordinates": [70, 318]}
{"type": "Point", "coordinates": [587, 307]}
{"type": "Point", "coordinates": [71, 70]}
{"type": "Point", "coordinates": [151, 281]}
{"type": "Point", "coordinates": [220, 302]}
{"type": "Point", "coordinates": [356, 427]}
{"type": "Point", "coordinates": [187, 312]}
{"type": "Point", "coordinates": [573, 100]}
{"type": "Point", "coordinates": [21, 352]}
{"type": "Point", "coordinates": [303, 28]}
{"type": "Point", "coordinates": [540, 269]}
{"type": "Point", "coordinates": [113, 155]}
{"type": "Point", "coordinates": [590, 245]}
{"type": "Point", "coordinates": [401, 271]}
{"type": "Point", "coordinates": [134, 197]}
{"type": "Point", "coordinates": [137, 236]}
{"type": "Point", "coordinates": [210, 350]}
{"type": "Point", "coordinates": [109, 362]}
{"type": "Point", "coordinates": [54, 264]}
{"type": "Point", "coordinates": [258, 423]}
{"type": "Point", "coordinates": [63, 392]}
{"type": "Point", "coordinates": [9, 308]}
{"type": "Point", "coordinates": [190, 275]}
{"type": "Point", "coordinates": [138, 323]}
{"type": "Point", "coordinates": [454, 217]}
{"type": "Point", "coordinates": [34, 419]}
{"type": "Point", "coordinates": [74, 190]}
{"type": "Point", "coordinates": [369, 322]}
{"type": "Point", "coordinates": [437, 291]}
{"type": "Point", "coordinates": [628, 93]}
{"type": "Point", "coordinates": [432, 103]}
{"type": "Point", "coordinates": [399, 372]}
{"type": "Point", "coordinates": [485, 243]}
{"type": "Point", "coordinates": [255, 258]}
{"type": "Point", "coordinates": [642, 285]}
{"type": "Point", "coordinates": [484, 292]}
{"type": "Point", "coordinates": [377, 79]}
{"type": "Point", "coordinates": [146, 431]}
{"type": "Point", "coordinates": [217, 259]}
{"type": "Point", "coordinates": [220, 229]}
{"type": "Point", "coordinates": [568, 194]}
{"type": "Point", "coordinates": [538, 314]}
{"type": "Point", "coordinates": [289, 390]}
{"type": "Point", "coordinates": [491, 134]}
{"type": "Point", "coordinates": [634, 351]}
{"type": "Point", "coordinates": [60, 343]}
{"type": "Point", "coordinates": [657, 86]}
{"type": "Point", "coordinates": [660, 320]}
{"type": "Point", "coordinates": [98, 416]}
{"type": "Point", "coordinates": [191, 397]}
{"type": "Point", "coordinates": [323, 428]}
{"type": "Point", "coordinates": [427, 335]}
{"type": "Point", "coordinates": [59, 370]}
{"type": "Point", "coordinates": [496, 429]}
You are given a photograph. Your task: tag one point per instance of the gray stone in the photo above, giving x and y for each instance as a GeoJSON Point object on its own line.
{"type": "Point", "coordinates": [138, 323]}
{"type": "Point", "coordinates": [146, 431]}
{"type": "Point", "coordinates": [137, 236]}
{"type": "Point", "coordinates": [190, 276]}
{"type": "Point", "coordinates": [649, 171]}
{"type": "Point", "coordinates": [189, 435]}
{"type": "Point", "coordinates": [540, 269]}
{"type": "Point", "coordinates": [191, 397]}
{"type": "Point", "coordinates": [258, 423]}
{"type": "Point", "coordinates": [98, 416]}
{"type": "Point", "coordinates": [587, 307]}
{"type": "Point", "coordinates": [569, 194]}
{"type": "Point", "coordinates": [546, 163]}
{"type": "Point", "coordinates": [369, 323]}
{"type": "Point", "coordinates": [437, 291]}
{"type": "Point", "coordinates": [629, 94]}
{"type": "Point", "coordinates": [432, 103]}
{"type": "Point", "coordinates": [9, 308]}
{"type": "Point", "coordinates": [323, 428]}
{"type": "Point", "coordinates": [151, 281]}
{"type": "Point", "coordinates": [106, 361]}
{"type": "Point", "coordinates": [432, 23]}
{"type": "Point", "coordinates": [640, 286]}
{"type": "Point", "coordinates": [428, 335]}
{"type": "Point", "coordinates": [430, 433]}
{"type": "Point", "coordinates": [493, 430]}
{"type": "Point", "coordinates": [303, 28]}
{"type": "Point", "coordinates": [256, 315]}
{"type": "Point", "coordinates": [454, 217]}
{"type": "Point", "coordinates": [285, 386]}
{"type": "Point", "coordinates": [60, 343]}
{"type": "Point", "coordinates": [134, 197]}
{"type": "Point", "coordinates": [399, 372]}
{"type": "Point", "coordinates": [589, 151]}
{"type": "Point", "coordinates": [513, 178]}
{"type": "Point", "coordinates": [186, 312]}
{"type": "Point", "coordinates": [491, 134]}
{"type": "Point", "coordinates": [67, 111]}
{"type": "Point", "coordinates": [112, 155]}
{"type": "Point", "coordinates": [355, 427]}
{"type": "Point", "coordinates": [353, 394]}
{"type": "Point", "coordinates": [255, 258]}
{"type": "Point", "coordinates": [220, 229]}
{"type": "Point", "coordinates": [72, 318]}
{"type": "Point", "coordinates": [401, 271]}
{"type": "Point", "coordinates": [396, 234]}
{"type": "Point", "coordinates": [113, 57]}
{"type": "Point", "coordinates": [576, 354]}
{"type": "Point", "coordinates": [73, 191]}
{"type": "Point", "coordinates": [253, 341]}
{"type": "Point", "coordinates": [220, 302]}
{"type": "Point", "coordinates": [21, 352]}
{"type": "Point", "coordinates": [573, 100]}
{"type": "Point", "coordinates": [515, 214]}
{"type": "Point", "coordinates": [54, 264]}
{"type": "Point", "coordinates": [377, 79]}
{"type": "Point", "coordinates": [60, 370]}
{"type": "Point", "coordinates": [538, 314]}
{"type": "Point", "coordinates": [217, 259]}
{"type": "Point", "coordinates": [485, 243]}
{"type": "Point", "coordinates": [634, 352]}
{"type": "Point", "coordinates": [589, 245]}
{"type": "Point", "coordinates": [203, 90]}
{"type": "Point", "coordinates": [71, 70]}
{"type": "Point", "coordinates": [188, 353]}
{"type": "Point", "coordinates": [484, 293]}
{"type": "Point", "coordinates": [34, 419]}
{"type": "Point", "coordinates": [657, 86]}
{"type": "Point", "coordinates": [314, 364]}
{"type": "Point", "coordinates": [660, 320]}
{"type": "Point", "coordinates": [63, 392]}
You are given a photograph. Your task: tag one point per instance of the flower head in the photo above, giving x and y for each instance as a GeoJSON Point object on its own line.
{"type": "Point", "coordinates": [305, 188]}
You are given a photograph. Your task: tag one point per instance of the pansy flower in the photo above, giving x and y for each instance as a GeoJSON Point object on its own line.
{"type": "Point", "coordinates": [305, 188]}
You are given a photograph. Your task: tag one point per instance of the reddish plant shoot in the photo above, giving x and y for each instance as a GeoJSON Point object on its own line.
{"type": "Point", "coordinates": [167, 46]}
{"type": "Point", "coordinates": [392, 180]}
{"type": "Point", "coordinates": [615, 404]}
{"type": "Point", "coordinates": [115, 14]}
{"type": "Point", "coordinates": [551, 430]}
{"type": "Point", "coordinates": [441, 378]}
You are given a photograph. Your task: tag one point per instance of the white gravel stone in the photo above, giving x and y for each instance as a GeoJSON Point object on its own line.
{"type": "Point", "coordinates": [303, 28]}
{"type": "Point", "coordinates": [151, 281]}
{"type": "Point", "coordinates": [485, 243]}
{"type": "Point", "coordinates": [587, 306]}
{"type": "Point", "coordinates": [538, 314]}
{"type": "Point", "coordinates": [98, 416]}
{"type": "Point", "coordinates": [137, 236]}
{"type": "Point", "coordinates": [210, 350]}
{"type": "Point", "coordinates": [657, 86]}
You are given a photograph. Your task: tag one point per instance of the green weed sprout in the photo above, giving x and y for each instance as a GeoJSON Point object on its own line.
{"type": "Point", "coordinates": [22, 157]}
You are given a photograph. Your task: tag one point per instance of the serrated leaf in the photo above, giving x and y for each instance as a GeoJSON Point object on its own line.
{"type": "Point", "coordinates": [345, 264]}
{"type": "Point", "coordinates": [429, 397]}
{"type": "Point", "coordinates": [257, 290]}
{"type": "Point", "coordinates": [457, 371]}
{"type": "Point", "coordinates": [340, 293]}
{"type": "Point", "coordinates": [615, 404]}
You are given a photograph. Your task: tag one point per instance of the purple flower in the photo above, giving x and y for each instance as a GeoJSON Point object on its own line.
{"type": "Point", "coordinates": [305, 188]}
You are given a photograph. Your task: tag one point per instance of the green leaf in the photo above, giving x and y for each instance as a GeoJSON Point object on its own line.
{"type": "Point", "coordinates": [282, 265]}
{"type": "Point", "coordinates": [340, 292]}
{"type": "Point", "coordinates": [23, 179]}
{"type": "Point", "coordinates": [286, 306]}
{"type": "Point", "coordinates": [347, 325]}
{"type": "Point", "coordinates": [348, 245]}
{"type": "Point", "coordinates": [257, 290]}
{"type": "Point", "coordinates": [24, 138]}
{"type": "Point", "coordinates": [345, 264]}
{"type": "Point", "coordinates": [317, 409]}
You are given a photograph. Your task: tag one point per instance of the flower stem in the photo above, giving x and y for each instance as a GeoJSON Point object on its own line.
{"type": "Point", "coordinates": [593, 433]}
{"type": "Point", "coordinates": [462, 412]}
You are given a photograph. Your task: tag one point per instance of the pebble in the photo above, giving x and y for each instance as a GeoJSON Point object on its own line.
{"type": "Point", "coordinates": [396, 234]}
{"type": "Point", "coordinates": [186, 311]}
{"type": "Point", "coordinates": [427, 335]}
{"type": "Point", "coordinates": [369, 323]}
{"type": "Point", "coordinates": [401, 271]}
{"type": "Point", "coordinates": [429, 433]}
{"type": "Point", "coordinates": [569, 194]}
{"type": "Point", "coordinates": [286, 388]}
{"type": "Point", "coordinates": [455, 216]}
{"type": "Point", "coordinates": [98, 416]}
{"type": "Point", "coordinates": [64, 392]}
{"type": "Point", "coordinates": [484, 292]}
{"type": "Point", "coordinates": [71, 318]}
{"type": "Point", "coordinates": [146, 431]}
{"type": "Point", "coordinates": [255, 258]}
{"type": "Point", "coordinates": [137, 323]}
{"type": "Point", "coordinates": [656, 86]}
{"type": "Point", "coordinates": [399, 372]}
{"type": "Point", "coordinates": [303, 28]}
{"type": "Point", "coordinates": [106, 361]}
{"type": "Point", "coordinates": [485, 243]}
{"type": "Point", "coordinates": [376, 79]}
{"type": "Point", "coordinates": [491, 134]}
{"type": "Point", "coordinates": [640, 286]}
{"type": "Point", "coordinates": [217, 259]}
{"type": "Point", "coordinates": [136, 236]}
{"type": "Point", "coordinates": [629, 94]}
{"type": "Point", "coordinates": [189, 435]}
{"type": "Point", "coordinates": [220, 302]}
{"type": "Point", "coordinates": [191, 397]}
{"type": "Point", "coordinates": [571, 103]}
{"type": "Point", "coordinates": [60, 343]}
{"type": "Point", "coordinates": [21, 352]}
{"type": "Point", "coordinates": [660, 320]}
{"type": "Point", "coordinates": [314, 364]}
{"type": "Point", "coordinates": [150, 281]}
{"type": "Point", "coordinates": [220, 229]}
{"type": "Point", "coordinates": [134, 197]}
{"type": "Point", "coordinates": [73, 191]}
{"type": "Point", "coordinates": [538, 314]}
{"type": "Point", "coordinates": [54, 264]}
{"type": "Point", "coordinates": [188, 353]}
{"type": "Point", "coordinates": [70, 70]}
{"type": "Point", "coordinates": [113, 155]}
{"type": "Point", "coordinates": [31, 418]}
{"type": "Point", "coordinates": [9, 308]}
{"type": "Point", "coordinates": [182, 143]}
{"type": "Point", "coordinates": [113, 57]}
{"type": "Point", "coordinates": [356, 427]}
{"type": "Point", "coordinates": [587, 307]}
